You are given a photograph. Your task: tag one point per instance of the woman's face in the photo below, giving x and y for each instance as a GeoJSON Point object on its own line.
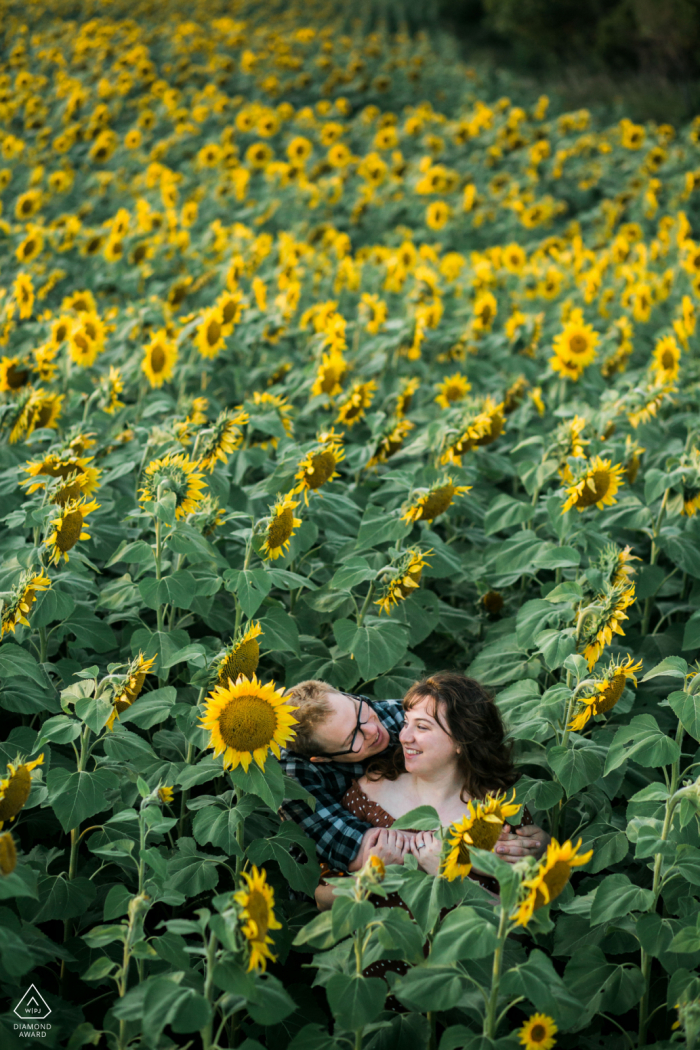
{"type": "Point", "coordinates": [427, 748]}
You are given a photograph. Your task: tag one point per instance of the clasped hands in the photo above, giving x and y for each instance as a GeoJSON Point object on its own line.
{"type": "Point", "coordinates": [392, 846]}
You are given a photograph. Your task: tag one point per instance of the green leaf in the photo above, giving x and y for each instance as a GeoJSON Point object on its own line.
{"type": "Point", "coordinates": [617, 896]}
{"type": "Point", "coordinates": [463, 934]}
{"type": "Point", "coordinates": [16, 662]}
{"type": "Point", "coordinates": [687, 710]}
{"type": "Point", "coordinates": [94, 712]}
{"type": "Point", "coordinates": [178, 589]}
{"type": "Point", "coordinates": [499, 663]}
{"type": "Point", "coordinates": [271, 1004]}
{"type": "Point", "coordinates": [654, 934]}
{"type": "Point", "coordinates": [250, 586]}
{"type": "Point", "coordinates": [150, 708]}
{"type": "Point", "coordinates": [61, 729]}
{"type": "Point", "coordinates": [217, 827]}
{"type": "Point", "coordinates": [52, 606]}
{"type": "Point", "coordinates": [59, 898]}
{"type": "Point", "coordinates": [352, 573]}
{"type": "Point", "coordinates": [682, 552]}
{"type": "Point", "coordinates": [691, 634]}
{"type": "Point", "coordinates": [280, 632]}
{"type": "Point", "coordinates": [531, 620]}
{"type": "Point", "coordinates": [377, 646]}
{"type": "Point", "coordinates": [348, 915]}
{"type": "Point", "coordinates": [423, 818]}
{"type": "Point", "coordinates": [575, 768]}
{"type": "Point", "coordinates": [671, 667]}
{"type": "Point", "coordinates": [355, 1001]}
{"type": "Point", "coordinates": [569, 591]}
{"type": "Point", "coordinates": [76, 796]}
{"type": "Point", "coordinates": [555, 646]}
{"type": "Point", "coordinates": [379, 526]}
{"type": "Point", "coordinates": [138, 552]}
{"type": "Point", "coordinates": [505, 512]}
{"type": "Point", "coordinates": [192, 873]}
{"type": "Point", "coordinates": [426, 988]}
{"type": "Point", "coordinates": [267, 785]}
{"type": "Point", "coordinates": [643, 741]}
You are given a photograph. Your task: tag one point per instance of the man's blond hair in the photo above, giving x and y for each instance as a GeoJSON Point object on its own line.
{"type": "Point", "coordinates": [313, 708]}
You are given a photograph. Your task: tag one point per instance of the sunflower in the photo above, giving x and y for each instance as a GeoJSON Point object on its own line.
{"type": "Point", "coordinates": [240, 657]}
{"type": "Point", "coordinates": [131, 687]}
{"type": "Point", "coordinates": [358, 400]}
{"type": "Point", "coordinates": [283, 410]}
{"type": "Point", "coordinates": [166, 795]}
{"type": "Point", "coordinates": [232, 306]}
{"type": "Point", "coordinates": [666, 358]}
{"type": "Point", "coordinates": [486, 424]}
{"type": "Point", "coordinates": [329, 375]}
{"type": "Point", "coordinates": [14, 374]}
{"type": "Point", "coordinates": [481, 828]}
{"type": "Point", "coordinates": [405, 395]}
{"type": "Point", "coordinates": [82, 349]}
{"type": "Point", "coordinates": [550, 879]}
{"type": "Point", "coordinates": [112, 386]}
{"type": "Point", "coordinates": [375, 311]}
{"type": "Point", "coordinates": [607, 692]}
{"type": "Point", "coordinates": [452, 389]}
{"type": "Point", "coordinates": [485, 309]}
{"type": "Point", "coordinates": [15, 788]}
{"type": "Point", "coordinates": [246, 721]}
{"type": "Point", "coordinates": [67, 528]}
{"type": "Point", "coordinates": [576, 344]}
{"type": "Point", "coordinates": [22, 597]}
{"type": "Point", "coordinates": [317, 468]}
{"type": "Point", "coordinates": [8, 854]}
{"type": "Point", "coordinates": [538, 1032]}
{"type": "Point", "coordinates": [434, 502]}
{"type": "Point", "coordinates": [603, 619]}
{"type": "Point", "coordinates": [391, 442]}
{"type": "Point", "coordinates": [596, 485]}
{"type": "Point", "coordinates": [281, 526]}
{"type": "Point", "coordinates": [178, 474]}
{"type": "Point", "coordinates": [53, 465]}
{"type": "Point", "coordinates": [159, 358]}
{"type": "Point", "coordinates": [437, 214]}
{"type": "Point", "coordinates": [212, 332]}
{"type": "Point", "coordinates": [407, 579]}
{"type": "Point", "coordinates": [23, 290]}
{"type": "Point", "coordinates": [81, 301]}
{"type": "Point", "coordinates": [223, 438]}
{"type": "Point", "coordinates": [257, 909]}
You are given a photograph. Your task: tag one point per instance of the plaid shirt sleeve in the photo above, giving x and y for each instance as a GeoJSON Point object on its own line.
{"type": "Point", "coordinates": [336, 832]}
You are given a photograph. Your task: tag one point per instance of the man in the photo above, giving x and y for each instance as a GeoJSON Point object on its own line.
{"type": "Point", "coordinates": [339, 732]}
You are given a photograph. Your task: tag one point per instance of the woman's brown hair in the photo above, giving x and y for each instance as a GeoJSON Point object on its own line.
{"type": "Point", "coordinates": [472, 719]}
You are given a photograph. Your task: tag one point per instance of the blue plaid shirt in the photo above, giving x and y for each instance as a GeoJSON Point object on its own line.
{"type": "Point", "coordinates": [337, 834]}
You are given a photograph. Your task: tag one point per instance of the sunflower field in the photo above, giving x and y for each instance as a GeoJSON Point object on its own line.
{"type": "Point", "coordinates": [320, 358]}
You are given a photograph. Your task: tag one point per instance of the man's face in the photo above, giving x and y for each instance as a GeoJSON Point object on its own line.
{"type": "Point", "coordinates": [340, 730]}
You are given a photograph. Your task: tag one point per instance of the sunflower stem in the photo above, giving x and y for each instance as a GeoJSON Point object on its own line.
{"type": "Point", "coordinates": [490, 1020]}
{"type": "Point", "coordinates": [645, 958]}
{"type": "Point", "coordinates": [240, 834]}
{"type": "Point", "coordinates": [363, 610]}
{"type": "Point", "coordinates": [206, 1032]}
{"type": "Point", "coordinates": [648, 605]}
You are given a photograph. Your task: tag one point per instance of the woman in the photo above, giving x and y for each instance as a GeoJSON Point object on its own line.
{"type": "Point", "coordinates": [451, 751]}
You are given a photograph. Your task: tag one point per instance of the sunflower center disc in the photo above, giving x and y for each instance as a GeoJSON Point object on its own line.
{"type": "Point", "coordinates": [247, 723]}
{"type": "Point", "coordinates": [258, 910]}
{"type": "Point", "coordinates": [556, 878]}
{"type": "Point", "coordinates": [71, 527]}
{"type": "Point", "coordinates": [578, 344]}
{"type": "Point", "coordinates": [612, 694]}
{"type": "Point", "coordinates": [281, 528]}
{"type": "Point", "coordinates": [323, 465]}
{"type": "Point", "coordinates": [157, 359]}
{"type": "Point", "coordinates": [485, 834]}
{"type": "Point", "coordinates": [437, 502]}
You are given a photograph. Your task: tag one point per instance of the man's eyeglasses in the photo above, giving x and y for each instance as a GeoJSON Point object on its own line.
{"type": "Point", "coordinates": [363, 714]}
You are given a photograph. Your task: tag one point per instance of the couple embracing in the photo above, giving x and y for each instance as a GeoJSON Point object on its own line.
{"type": "Point", "coordinates": [367, 763]}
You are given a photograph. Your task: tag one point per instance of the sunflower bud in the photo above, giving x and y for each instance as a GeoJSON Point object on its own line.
{"type": "Point", "coordinates": [8, 854]}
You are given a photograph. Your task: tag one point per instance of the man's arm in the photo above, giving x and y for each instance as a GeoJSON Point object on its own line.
{"type": "Point", "coordinates": [337, 834]}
